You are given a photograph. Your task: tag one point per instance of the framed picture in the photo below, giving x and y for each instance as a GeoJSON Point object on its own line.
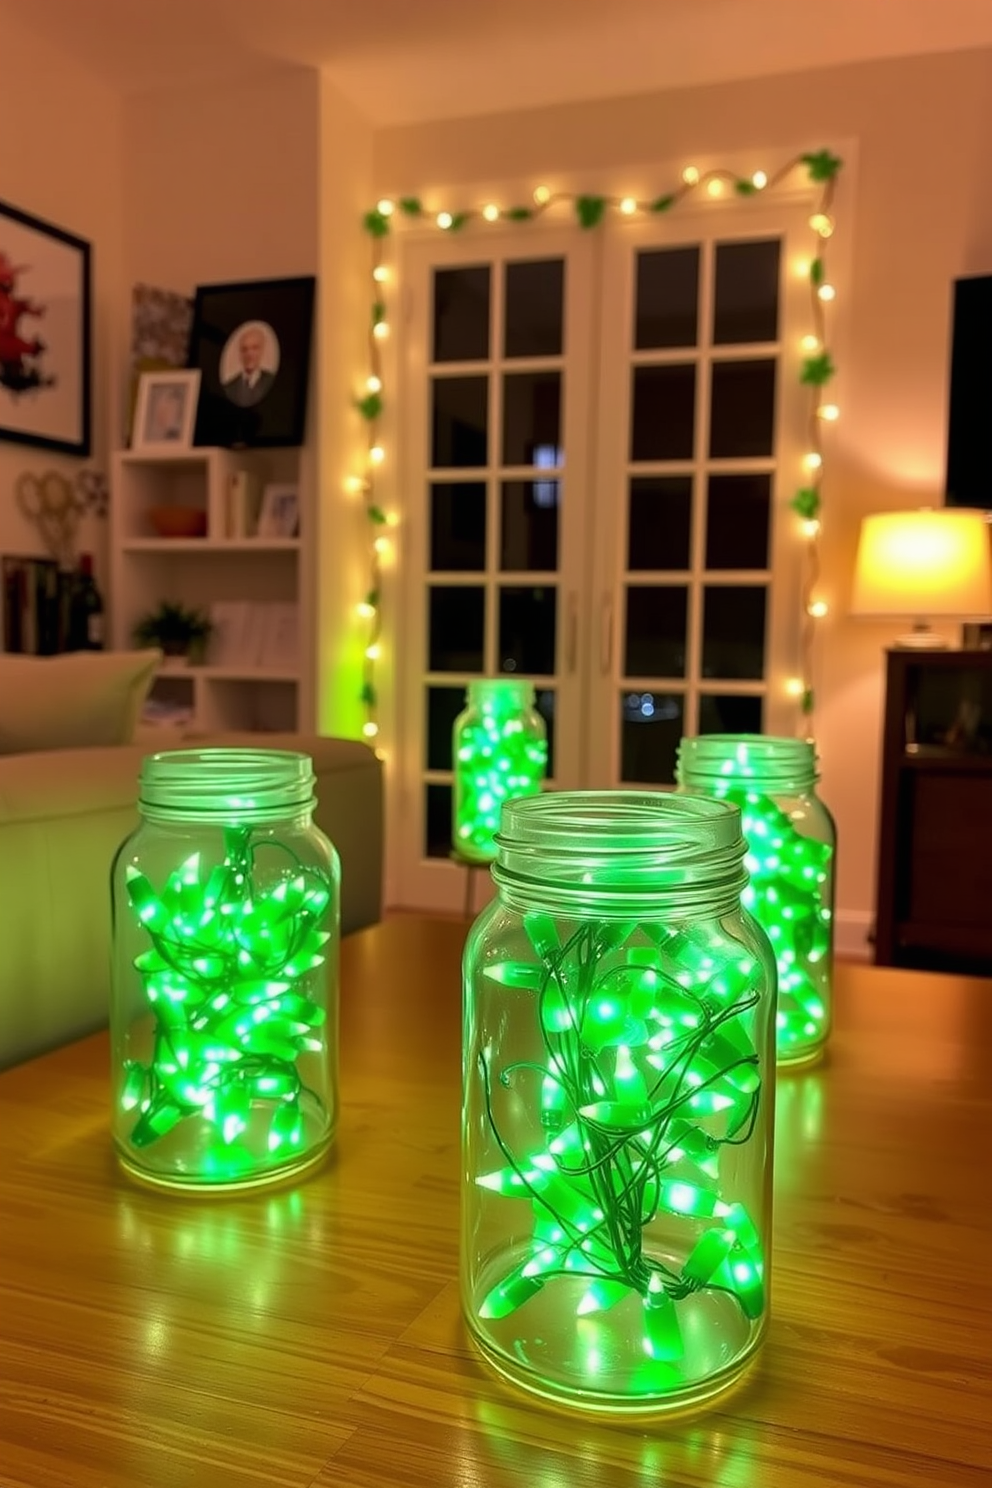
{"type": "Point", "coordinates": [251, 343]}
{"type": "Point", "coordinates": [44, 334]}
{"type": "Point", "coordinates": [279, 514]}
{"type": "Point", "coordinates": [165, 411]}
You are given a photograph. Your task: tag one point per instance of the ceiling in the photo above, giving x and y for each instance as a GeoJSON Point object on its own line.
{"type": "Point", "coordinates": [404, 61]}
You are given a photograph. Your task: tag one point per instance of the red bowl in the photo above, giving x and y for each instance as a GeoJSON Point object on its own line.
{"type": "Point", "coordinates": [178, 521]}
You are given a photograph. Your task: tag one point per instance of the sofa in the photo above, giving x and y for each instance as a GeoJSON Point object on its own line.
{"type": "Point", "coordinates": [63, 813]}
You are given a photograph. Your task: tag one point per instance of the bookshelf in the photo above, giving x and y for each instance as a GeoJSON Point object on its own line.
{"type": "Point", "coordinates": [258, 669]}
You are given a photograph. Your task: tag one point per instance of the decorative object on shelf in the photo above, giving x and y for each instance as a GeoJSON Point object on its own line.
{"type": "Point", "coordinates": [619, 1068]}
{"type": "Point", "coordinates": [178, 521]}
{"type": "Point", "coordinates": [160, 327]}
{"type": "Point", "coordinates": [44, 334]}
{"type": "Point", "coordinates": [279, 514]}
{"type": "Point", "coordinates": [176, 629]}
{"type": "Point", "coordinates": [499, 750]}
{"type": "Point", "coordinates": [251, 341]}
{"type": "Point", "coordinates": [242, 500]}
{"type": "Point", "coordinates": [165, 412]}
{"type": "Point", "coordinates": [790, 863]}
{"type": "Point", "coordinates": [924, 565]}
{"type": "Point", "coordinates": [93, 491]}
{"type": "Point", "coordinates": [33, 606]}
{"type": "Point", "coordinates": [85, 609]}
{"type": "Point", "coordinates": [224, 1003]}
{"type": "Point", "coordinates": [820, 168]}
{"type": "Point", "coordinates": [52, 503]}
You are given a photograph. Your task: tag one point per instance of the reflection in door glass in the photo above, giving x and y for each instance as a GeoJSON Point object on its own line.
{"type": "Point", "coordinates": [458, 526]}
{"type": "Point", "coordinates": [456, 628]}
{"type": "Point", "coordinates": [527, 627]}
{"type": "Point", "coordinates": [651, 725]}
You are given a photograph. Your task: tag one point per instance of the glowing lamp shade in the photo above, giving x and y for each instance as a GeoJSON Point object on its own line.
{"type": "Point", "coordinates": [924, 565]}
{"type": "Point", "coordinates": [500, 751]}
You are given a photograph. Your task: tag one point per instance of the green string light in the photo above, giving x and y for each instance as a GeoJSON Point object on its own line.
{"type": "Point", "coordinates": [229, 979]}
{"type": "Point", "coordinates": [500, 752]}
{"type": "Point", "coordinates": [649, 1076]}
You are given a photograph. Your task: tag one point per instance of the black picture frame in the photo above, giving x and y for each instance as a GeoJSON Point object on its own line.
{"type": "Point", "coordinates": [259, 329]}
{"type": "Point", "coordinates": [45, 334]}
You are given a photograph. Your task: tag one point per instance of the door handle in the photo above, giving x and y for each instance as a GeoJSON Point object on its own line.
{"type": "Point", "coordinates": [606, 634]}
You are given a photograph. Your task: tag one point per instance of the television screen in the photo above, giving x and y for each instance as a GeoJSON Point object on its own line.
{"type": "Point", "coordinates": [969, 430]}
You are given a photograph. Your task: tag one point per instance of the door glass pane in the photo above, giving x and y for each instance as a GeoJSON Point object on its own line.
{"type": "Point", "coordinates": [527, 626]}
{"type": "Point", "coordinates": [650, 729]}
{"type": "Point", "coordinates": [529, 527]}
{"type": "Point", "coordinates": [532, 418]}
{"type": "Point", "coordinates": [734, 631]}
{"type": "Point", "coordinates": [663, 408]}
{"type": "Point", "coordinates": [730, 715]}
{"type": "Point", "coordinates": [456, 628]}
{"type": "Point", "coordinates": [437, 821]}
{"type": "Point", "coordinates": [458, 526]}
{"type": "Point", "coordinates": [742, 409]}
{"type": "Point", "coordinates": [654, 641]}
{"type": "Point", "coordinates": [461, 314]}
{"type": "Point", "coordinates": [667, 296]}
{"type": "Point", "coordinates": [738, 511]}
{"type": "Point", "coordinates": [544, 702]}
{"type": "Point", "coordinates": [745, 306]}
{"type": "Point", "coordinates": [443, 706]}
{"type": "Point", "coordinates": [660, 514]}
{"type": "Point", "coordinates": [459, 421]}
{"type": "Point", "coordinates": [535, 294]}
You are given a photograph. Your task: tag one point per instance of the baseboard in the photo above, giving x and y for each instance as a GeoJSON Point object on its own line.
{"type": "Point", "coordinates": [852, 928]}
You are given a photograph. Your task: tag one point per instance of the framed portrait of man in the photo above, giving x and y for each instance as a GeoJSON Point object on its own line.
{"type": "Point", "coordinates": [251, 343]}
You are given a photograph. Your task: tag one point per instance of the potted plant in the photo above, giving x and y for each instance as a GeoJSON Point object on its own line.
{"type": "Point", "coordinates": [176, 630]}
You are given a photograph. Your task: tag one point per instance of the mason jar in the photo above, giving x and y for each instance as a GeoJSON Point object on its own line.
{"type": "Point", "coordinates": [499, 750]}
{"type": "Point", "coordinates": [791, 848]}
{"type": "Point", "coordinates": [618, 1094]}
{"type": "Point", "coordinates": [225, 972]}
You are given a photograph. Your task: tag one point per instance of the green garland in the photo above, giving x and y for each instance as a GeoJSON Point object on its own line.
{"type": "Point", "coordinates": [821, 168]}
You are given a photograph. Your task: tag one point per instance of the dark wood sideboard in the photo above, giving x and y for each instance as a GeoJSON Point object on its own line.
{"type": "Point", "coordinates": [934, 897]}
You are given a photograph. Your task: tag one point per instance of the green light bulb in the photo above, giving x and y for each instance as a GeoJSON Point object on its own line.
{"type": "Point", "coordinates": [499, 752]}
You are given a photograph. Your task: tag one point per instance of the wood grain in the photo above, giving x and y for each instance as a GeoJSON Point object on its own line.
{"type": "Point", "coordinates": [311, 1338]}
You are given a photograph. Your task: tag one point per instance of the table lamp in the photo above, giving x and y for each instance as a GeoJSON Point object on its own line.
{"type": "Point", "coordinates": [924, 565]}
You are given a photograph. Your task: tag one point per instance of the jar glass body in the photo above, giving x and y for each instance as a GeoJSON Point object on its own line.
{"type": "Point", "coordinates": [618, 1095]}
{"type": "Point", "coordinates": [499, 751]}
{"type": "Point", "coordinates": [792, 845]}
{"type": "Point", "coordinates": [224, 1006]}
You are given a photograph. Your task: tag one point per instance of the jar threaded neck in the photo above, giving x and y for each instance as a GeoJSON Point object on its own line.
{"type": "Point", "coordinates": [763, 761]}
{"type": "Point", "coordinates": [246, 785]}
{"type": "Point", "coordinates": [622, 853]}
{"type": "Point", "coordinates": [500, 694]}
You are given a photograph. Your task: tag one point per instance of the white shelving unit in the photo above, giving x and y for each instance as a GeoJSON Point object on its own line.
{"type": "Point", "coordinates": [245, 691]}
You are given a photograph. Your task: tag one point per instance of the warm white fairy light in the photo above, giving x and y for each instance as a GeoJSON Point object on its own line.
{"type": "Point", "coordinates": [384, 206]}
{"type": "Point", "coordinates": [690, 175]}
{"type": "Point", "coordinates": [826, 292]}
{"type": "Point", "coordinates": [542, 195]}
{"type": "Point", "coordinates": [715, 187]}
{"type": "Point", "coordinates": [822, 224]}
{"type": "Point", "coordinates": [354, 484]}
{"type": "Point", "coordinates": [794, 687]}
{"type": "Point", "coordinates": [829, 412]}
{"type": "Point", "coordinates": [370, 729]}
{"type": "Point", "coordinates": [818, 609]}
{"type": "Point", "coordinates": [810, 527]}
{"type": "Point", "coordinates": [813, 460]}
{"type": "Point", "coordinates": [628, 206]}
{"type": "Point", "coordinates": [759, 180]}
{"type": "Point", "coordinates": [380, 274]}
{"type": "Point", "coordinates": [380, 330]}
{"type": "Point", "coordinates": [377, 454]}
{"type": "Point", "coordinates": [491, 212]}
{"type": "Point", "coordinates": [373, 384]}
{"type": "Point", "coordinates": [444, 220]}
{"type": "Point", "coordinates": [810, 343]}
{"type": "Point", "coordinates": [374, 651]}
{"type": "Point", "coordinates": [366, 611]}
{"type": "Point", "coordinates": [381, 545]}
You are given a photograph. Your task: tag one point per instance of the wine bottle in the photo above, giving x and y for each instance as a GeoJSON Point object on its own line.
{"type": "Point", "coordinates": [85, 609]}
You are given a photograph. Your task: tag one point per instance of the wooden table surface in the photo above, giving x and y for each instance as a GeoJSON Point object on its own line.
{"type": "Point", "coordinates": [312, 1337]}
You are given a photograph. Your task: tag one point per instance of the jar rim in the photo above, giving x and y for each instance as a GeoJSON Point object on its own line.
{"type": "Point", "coordinates": [626, 850]}
{"type": "Point", "coordinates": [509, 691]}
{"type": "Point", "coordinates": [775, 761]}
{"type": "Point", "coordinates": [221, 783]}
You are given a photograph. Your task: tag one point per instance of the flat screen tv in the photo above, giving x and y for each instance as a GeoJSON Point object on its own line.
{"type": "Point", "coordinates": [969, 428]}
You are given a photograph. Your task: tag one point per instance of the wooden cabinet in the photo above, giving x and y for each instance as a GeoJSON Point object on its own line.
{"type": "Point", "coordinates": [934, 898]}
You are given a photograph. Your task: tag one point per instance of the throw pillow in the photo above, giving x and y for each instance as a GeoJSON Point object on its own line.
{"type": "Point", "coordinates": [81, 700]}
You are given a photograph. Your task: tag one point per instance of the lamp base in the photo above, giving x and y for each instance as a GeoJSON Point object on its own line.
{"type": "Point", "coordinates": [921, 638]}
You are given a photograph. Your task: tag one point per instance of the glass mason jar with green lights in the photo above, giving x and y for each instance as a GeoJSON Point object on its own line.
{"type": "Point", "coordinates": [499, 750]}
{"type": "Point", "coordinates": [791, 848]}
{"type": "Point", "coordinates": [618, 1092]}
{"type": "Point", "coordinates": [225, 972]}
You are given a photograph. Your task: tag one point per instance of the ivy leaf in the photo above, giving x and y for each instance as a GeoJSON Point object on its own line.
{"type": "Point", "coordinates": [744, 187]}
{"type": "Point", "coordinates": [376, 514]}
{"type": "Point", "coordinates": [370, 407]}
{"type": "Point", "coordinates": [816, 272]}
{"type": "Point", "coordinates": [817, 370]}
{"type": "Point", "coordinates": [589, 210]}
{"type": "Point", "coordinates": [821, 165]}
{"type": "Point", "coordinates": [458, 220]}
{"type": "Point", "coordinates": [378, 312]}
{"type": "Point", "coordinates": [411, 206]}
{"type": "Point", "coordinates": [372, 598]}
{"type": "Point", "coordinates": [806, 503]}
{"type": "Point", "coordinates": [662, 203]}
{"type": "Point", "coordinates": [375, 223]}
{"type": "Point", "coordinates": [518, 214]}
{"type": "Point", "coordinates": [807, 700]}
{"type": "Point", "coordinates": [368, 694]}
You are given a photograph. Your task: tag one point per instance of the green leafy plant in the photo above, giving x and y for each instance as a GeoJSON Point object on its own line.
{"type": "Point", "coordinates": [178, 630]}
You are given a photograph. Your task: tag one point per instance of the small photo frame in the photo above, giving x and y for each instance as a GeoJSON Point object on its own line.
{"type": "Point", "coordinates": [166, 412]}
{"type": "Point", "coordinates": [279, 514]}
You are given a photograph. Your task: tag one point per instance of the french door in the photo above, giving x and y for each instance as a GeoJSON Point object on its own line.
{"type": "Point", "coordinates": [600, 435]}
